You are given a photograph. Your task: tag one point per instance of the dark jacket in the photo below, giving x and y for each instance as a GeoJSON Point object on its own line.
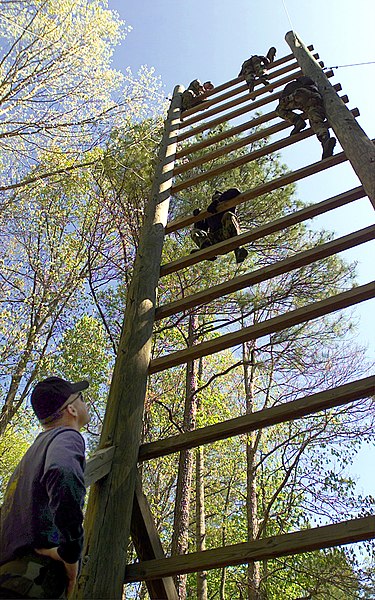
{"type": "Point", "coordinates": [44, 498]}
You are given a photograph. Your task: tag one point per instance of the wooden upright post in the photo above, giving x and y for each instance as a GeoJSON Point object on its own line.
{"type": "Point", "coordinates": [108, 518]}
{"type": "Point", "coordinates": [359, 149]}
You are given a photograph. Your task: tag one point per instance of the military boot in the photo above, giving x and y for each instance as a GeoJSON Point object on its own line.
{"type": "Point", "coordinates": [241, 254]}
{"type": "Point", "coordinates": [299, 124]}
{"type": "Point", "coordinates": [328, 146]}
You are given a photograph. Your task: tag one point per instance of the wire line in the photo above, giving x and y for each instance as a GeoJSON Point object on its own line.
{"type": "Point", "coordinates": [352, 65]}
{"type": "Point", "coordinates": [287, 14]}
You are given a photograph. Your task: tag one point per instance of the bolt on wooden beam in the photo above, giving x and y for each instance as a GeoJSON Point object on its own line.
{"type": "Point", "coordinates": [354, 141]}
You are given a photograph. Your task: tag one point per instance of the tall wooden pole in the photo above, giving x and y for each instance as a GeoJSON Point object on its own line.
{"type": "Point", "coordinates": [358, 148]}
{"type": "Point", "coordinates": [108, 518]}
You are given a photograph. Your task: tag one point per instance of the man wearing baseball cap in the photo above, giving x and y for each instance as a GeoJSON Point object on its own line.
{"type": "Point", "coordinates": [41, 534]}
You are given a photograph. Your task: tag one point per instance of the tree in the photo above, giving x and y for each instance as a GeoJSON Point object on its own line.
{"type": "Point", "coordinates": [43, 265]}
{"type": "Point", "coordinates": [59, 95]}
{"type": "Point", "coordinates": [13, 445]}
{"type": "Point", "coordinates": [67, 249]}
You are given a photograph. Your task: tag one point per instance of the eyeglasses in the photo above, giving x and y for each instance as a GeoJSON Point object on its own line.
{"type": "Point", "coordinates": [64, 406]}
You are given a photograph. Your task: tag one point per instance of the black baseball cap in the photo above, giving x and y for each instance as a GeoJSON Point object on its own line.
{"type": "Point", "coordinates": [50, 394]}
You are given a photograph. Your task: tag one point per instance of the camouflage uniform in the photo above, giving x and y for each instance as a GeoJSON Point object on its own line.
{"type": "Point", "coordinates": [302, 94]}
{"type": "Point", "coordinates": [219, 226]}
{"type": "Point", "coordinates": [230, 227]}
{"type": "Point", "coordinates": [200, 238]}
{"type": "Point", "coordinates": [33, 576]}
{"type": "Point", "coordinates": [190, 97]}
{"type": "Point", "coordinates": [254, 69]}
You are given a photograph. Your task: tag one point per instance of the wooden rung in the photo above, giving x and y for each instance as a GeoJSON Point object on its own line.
{"type": "Point", "coordinates": [289, 319]}
{"type": "Point", "coordinates": [243, 160]}
{"type": "Point", "coordinates": [224, 135]}
{"type": "Point", "coordinates": [284, 266]}
{"type": "Point", "coordinates": [346, 532]}
{"type": "Point", "coordinates": [250, 106]}
{"type": "Point", "coordinates": [243, 141]}
{"type": "Point", "coordinates": [232, 82]}
{"type": "Point", "coordinates": [204, 106]}
{"type": "Point", "coordinates": [264, 188]}
{"type": "Point", "coordinates": [240, 143]}
{"type": "Point", "coordinates": [289, 411]}
{"type": "Point", "coordinates": [227, 134]}
{"type": "Point", "coordinates": [277, 225]}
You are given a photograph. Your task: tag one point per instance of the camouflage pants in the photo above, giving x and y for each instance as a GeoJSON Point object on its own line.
{"type": "Point", "coordinates": [253, 78]}
{"type": "Point", "coordinates": [311, 105]}
{"type": "Point", "coordinates": [200, 238]}
{"type": "Point", "coordinates": [229, 228]}
{"type": "Point", "coordinates": [33, 576]}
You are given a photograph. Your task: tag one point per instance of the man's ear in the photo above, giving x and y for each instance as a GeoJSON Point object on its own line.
{"type": "Point", "coordinates": [72, 410]}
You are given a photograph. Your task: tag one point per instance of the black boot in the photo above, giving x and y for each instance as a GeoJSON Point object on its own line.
{"type": "Point", "coordinates": [241, 254]}
{"type": "Point", "coordinates": [328, 146]}
{"type": "Point", "coordinates": [299, 124]}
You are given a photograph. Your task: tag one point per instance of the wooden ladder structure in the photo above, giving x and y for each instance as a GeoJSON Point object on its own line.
{"type": "Point", "coordinates": [117, 507]}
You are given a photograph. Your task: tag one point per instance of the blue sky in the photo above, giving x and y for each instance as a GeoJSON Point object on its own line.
{"type": "Point", "coordinates": [209, 39]}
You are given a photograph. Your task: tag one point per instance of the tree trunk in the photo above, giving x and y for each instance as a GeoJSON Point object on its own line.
{"type": "Point", "coordinates": [180, 538]}
{"type": "Point", "coordinates": [253, 572]}
{"type": "Point", "coordinates": [200, 508]}
{"type": "Point", "coordinates": [224, 538]}
{"type": "Point", "coordinates": [201, 524]}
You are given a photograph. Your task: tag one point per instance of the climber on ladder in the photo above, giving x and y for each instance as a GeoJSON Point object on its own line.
{"type": "Point", "coordinates": [254, 68]}
{"type": "Point", "coordinates": [219, 226]}
{"type": "Point", "coordinates": [192, 96]}
{"type": "Point", "coordinates": [303, 94]}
